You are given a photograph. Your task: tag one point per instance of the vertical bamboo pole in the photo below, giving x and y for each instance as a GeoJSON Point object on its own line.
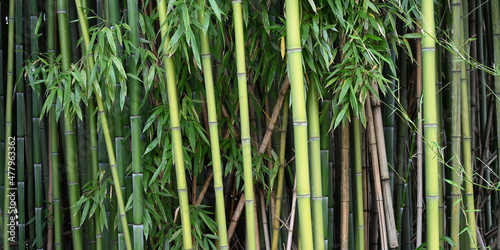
{"type": "Point", "coordinates": [296, 75]}
{"type": "Point", "coordinates": [135, 122]}
{"type": "Point", "coordinates": [281, 175]}
{"type": "Point", "coordinates": [2, 121]}
{"type": "Point", "coordinates": [360, 227]}
{"type": "Point", "coordinates": [315, 162]}
{"type": "Point", "coordinates": [420, 185]}
{"type": "Point", "coordinates": [214, 131]}
{"type": "Point", "coordinates": [344, 180]}
{"type": "Point", "coordinates": [455, 127]}
{"type": "Point", "coordinates": [245, 125]}
{"type": "Point", "coordinates": [20, 125]}
{"type": "Point", "coordinates": [8, 119]}
{"type": "Point", "coordinates": [430, 124]}
{"type": "Point", "coordinates": [175, 126]}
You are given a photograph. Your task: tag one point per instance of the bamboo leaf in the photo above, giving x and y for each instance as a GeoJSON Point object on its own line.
{"type": "Point", "coordinates": [216, 9]}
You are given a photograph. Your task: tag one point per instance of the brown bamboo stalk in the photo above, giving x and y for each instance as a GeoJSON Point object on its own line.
{"type": "Point", "coordinates": [392, 233]}
{"type": "Point", "coordinates": [376, 176]}
{"type": "Point", "coordinates": [256, 221]}
{"type": "Point", "coordinates": [236, 217]}
{"type": "Point", "coordinates": [344, 213]}
{"type": "Point", "coordinates": [205, 187]}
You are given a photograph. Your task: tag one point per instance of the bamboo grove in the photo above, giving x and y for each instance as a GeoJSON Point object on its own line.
{"type": "Point", "coordinates": [249, 124]}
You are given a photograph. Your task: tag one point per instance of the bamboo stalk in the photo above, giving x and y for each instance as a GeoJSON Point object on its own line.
{"type": "Point", "coordinates": [430, 123]}
{"type": "Point", "coordinates": [296, 76]}
{"type": "Point", "coordinates": [8, 119]}
{"type": "Point", "coordinates": [384, 171]}
{"type": "Point", "coordinates": [176, 129]}
{"type": "Point", "coordinates": [360, 227]}
{"type": "Point", "coordinates": [214, 133]}
{"type": "Point", "coordinates": [420, 186]}
{"type": "Point", "coordinates": [376, 176]}
{"type": "Point", "coordinates": [281, 174]}
{"type": "Point", "coordinates": [245, 125]}
{"type": "Point", "coordinates": [136, 128]}
{"type": "Point", "coordinates": [455, 129]}
{"type": "Point", "coordinates": [345, 200]}
{"type": "Point", "coordinates": [315, 164]}
{"type": "Point", "coordinates": [292, 217]}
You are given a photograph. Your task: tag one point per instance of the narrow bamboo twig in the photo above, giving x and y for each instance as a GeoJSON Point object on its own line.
{"type": "Point", "coordinates": [281, 175]}
{"type": "Point", "coordinates": [105, 127]}
{"type": "Point", "coordinates": [236, 216]}
{"type": "Point", "coordinates": [296, 75]}
{"type": "Point", "coordinates": [376, 176]}
{"type": "Point", "coordinates": [176, 129]}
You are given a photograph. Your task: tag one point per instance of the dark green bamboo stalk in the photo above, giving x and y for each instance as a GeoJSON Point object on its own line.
{"type": "Point", "coordinates": [53, 141]}
{"type": "Point", "coordinates": [327, 170]}
{"type": "Point", "coordinates": [71, 155]}
{"type": "Point", "coordinates": [214, 131]}
{"type": "Point", "coordinates": [245, 125]}
{"type": "Point", "coordinates": [8, 122]}
{"type": "Point", "coordinates": [315, 163]}
{"type": "Point", "coordinates": [20, 125]}
{"type": "Point", "coordinates": [135, 122]}
{"type": "Point", "coordinates": [430, 123]}
{"type": "Point", "coordinates": [2, 122]}
{"type": "Point", "coordinates": [94, 165]}
{"type": "Point", "coordinates": [176, 130]}
{"type": "Point", "coordinates": [37, 160]}
{"type": "Point", "coordinates": [296, 75]}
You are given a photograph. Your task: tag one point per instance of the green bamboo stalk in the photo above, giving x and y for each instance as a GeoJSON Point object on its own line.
{"type": "Point", "coordinates": [37, 159]}
{"type": "Point", "coordinates": [430, 124]}
{"type": "Point", "coordinates": [214, 131]}
{"type": "Point", "coordinates": [106, 132]}
{"type": "Point", "coordinates": [104, 167]}
{"type": "Point", "coordinates": [315, 163]}
{"type": "Point", "coordinates": [53, 141]}
{"type": "Point", "coordinates": [455, 127]}
{"type": "Point", "coordinates": [281, 175]}
{"type": "Point", "coordinates": [360, 227]}
{"type": "Point", "coordinates": [135, 122]}
{"type": "Point", "coordinates": [327, 169]}
{"type": "Point", "coordinates": [20, 126]}
{"type": "Point", "coordinates": [2, 123]}
{"type": "Point", "coordinates": [467, 152]}
{"type": "Point", "coordinates": [71, 155]}
{"type": "Point", "coordinates": [94, 165]}
{"type": "Point", "coordinates": [245, 125]}
{"type": "Point", "coordinates": [175, 126]}
{"type": "Point", "coordinates": [296, 75]}
{"type": "Point", "coordinates": [8, 120]}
